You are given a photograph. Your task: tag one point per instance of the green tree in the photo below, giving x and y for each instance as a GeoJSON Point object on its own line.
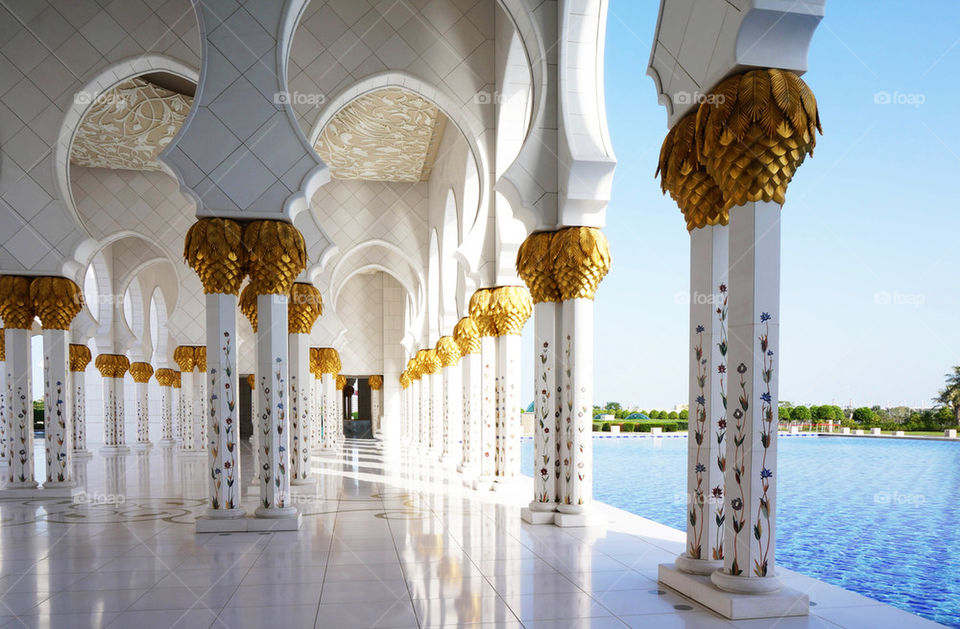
{"type": "Point", "coordinates": [863, 415]}
{"type": "Point", "coordinates": [800, 414]}
{"type": "Point", "coordinates": [949, 397]}
{"type": "Point", "coordinates": [673, 415]}
{"type": "Point", "coordinates": [684, 414]}
{"type": "Point", "coordinates": [786, 413]}
{"type": "Point", "coordinates": [820, 413]}
{"type": "Point", "coordinates": [613, 406]}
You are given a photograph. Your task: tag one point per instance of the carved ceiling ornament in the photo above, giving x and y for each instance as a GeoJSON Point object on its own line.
{"type": "Point", "coordinates": [387, 135]}
{"type": "Point", "coordinates": [128, 125]}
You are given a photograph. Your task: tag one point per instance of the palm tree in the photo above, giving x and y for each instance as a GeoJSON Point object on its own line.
{"type": "Point", "coordinates": [950, 395]}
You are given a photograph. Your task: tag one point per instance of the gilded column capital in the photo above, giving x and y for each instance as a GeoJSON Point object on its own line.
{"type": "Point", "coordinates": [3, 348]}
{"type": "Point", "coordinates": [141, 372]}
{"type": "Point", "coordinates": [481, 311]}
{"type": "Point", "coordinates": [754, 131]}
{"type": "Point", "coordinates": [80, 357]}
{"type": "Point", "coordinates": [413, 369]}
{"type": "Point", "coordinates": [315, 361]}
{"type": "Point", "coordinates": [252, 382]}
{"type": "Point", "coordinates": [467, 335]}
{"type": "Point", "coordinates": [448, 351]}
{"type": "Point", "coordinates": [178, 382]}
{"type": "Point", "coordinates": [582, 256]}
{"type": "Point", "coordinates": [341, 382]}
{"type": "Point", "coordinates": [405, 380]}
{"type": "Point", "coordinates": [200, 357]}
{"type": "Point", "coordinates": [429, 361]}
{"type": "Point", "coordinates": [213, 247]}
{"type": "Point", "coordinates": [511, 307]}
{"type": "Point", "coordinates": [329, 360]}
{"type": "Point", "coordinates": [375, 382]}
{"type": "Point", "coordinates": [56, 301]}
{"type": "Point", "coordinates": [183, 356]}
{"type": "Point", "coordinates": [16, 307]}
{"type": "Point", "coordinates": [535, 267]}
{"type": "Point", "coordinates": [248, 305]}
{"type": "Point", "coordinates": [276, 254]}
{"type": "Point", "coordinates": [687, 180]}
{"type": "Point", "coordinates": [304, 306]}
{"type": "Point", "coordinates": [166, 377]}
{"type": "Point", "coordinates": [112, 365]}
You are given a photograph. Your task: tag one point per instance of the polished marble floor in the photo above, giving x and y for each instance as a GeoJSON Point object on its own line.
{"type": "Point", "coordinates": [387, 541]}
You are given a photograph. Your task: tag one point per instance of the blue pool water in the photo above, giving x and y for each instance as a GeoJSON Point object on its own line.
{"type": "Point", "coordinates": [875, 516]}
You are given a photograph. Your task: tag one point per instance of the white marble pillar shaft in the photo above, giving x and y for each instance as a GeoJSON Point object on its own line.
{"type": "Point", "coordinates": [166, 415]}
{"type": "Point", "coordinates": [316, 413]}
{"type": "Point", "coordinates": [417, 416]}
{"type": "Point", "coordinates": [272, 392]}
{"type": "Point", "coordinates": [707, 400]}
{"type": "Point", "coordinates": [4, 429]}
{"type": "Point", "coordinates": [79, 381]}
{"type": "Point", "coordinates": [20, 474]}
{"type": "Point", "coordinates": [488, 406]}
{"type": "Point", "coordinates": [143, 413]}
{"type": "Point", "coordinates": [199, 404]}
{"type": "Point", "coordinates": [186, 411]}
{"type": "Point", "coordinates": [57, 408]}
{"type": "Point", "coordinates": [426, 413]}
{"type": "Point", "coordinates": [576, 419]}
{"type": "Point", "coordinates": [452, 410]}
{"type": "Point", "coordinates": [113, 415]}
{"type": "Point", "coordinates": [328, 409]}
{"type": "Point", "coordinates": [508, 406]}
{"type": "Point", "coordinates": [751, 444]}
{"type": "Point", "coordinates": [300, 383]}
{"type": "Point", "coordinates": [255, 436]}
{"type": "Point", "coordinates": [436, 415]}
{"type": "Point", "coordinates": [471, 400]}
{"type": "Point", "coordinates": [222, 416]}
{"type": "Point", "coordinates": [375, 411]}
{"type": "Point", "coordinates": [546, 406]}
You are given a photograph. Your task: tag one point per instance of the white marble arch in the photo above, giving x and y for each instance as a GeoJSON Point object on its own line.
{"type": "Point", "coordinates": [432, 328]}
{"type": "Point", "coordinates": [109, 77]}
{"type": "Point", "coordinates": [352, 262]}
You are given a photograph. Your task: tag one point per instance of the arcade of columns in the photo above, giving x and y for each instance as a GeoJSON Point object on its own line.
{"type": "Point", "coordinates": [198, 405]}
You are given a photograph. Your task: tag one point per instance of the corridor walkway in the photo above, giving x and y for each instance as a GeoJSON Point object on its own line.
{"type": "Point", "coordinates": [386, 542]}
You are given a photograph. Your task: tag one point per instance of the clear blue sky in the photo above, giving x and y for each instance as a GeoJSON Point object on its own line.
{"type": "Point", "coordinates": [874, 211]}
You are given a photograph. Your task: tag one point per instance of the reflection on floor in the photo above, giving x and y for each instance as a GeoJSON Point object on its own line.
{"type": "Point", "coordinates": [387, 541]}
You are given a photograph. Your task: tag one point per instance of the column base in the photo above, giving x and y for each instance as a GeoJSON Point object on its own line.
{"type": "Point", "coordinates": [142, 445]}
{"type": "Point", "coordinates": [40, 492]}
{"type": "Point", "coordinates": [277, 513]}
{"type": "Point", "coordinates": [686, 563]}
{"type": "Point", "coordinates": [303, 485]}
{"type": "Point", "coordinates": [166, 443]}
{"type": "Point", "coordinates": [192, 453]}
{"type": "Point", "coordinates": [249, 524]}
{"type": "Point", "coordinates": [745, 585]}
{"type": "Point", "coordinates": [115, 450]}
{"type": "Point", "coordinates": [224, 514]}
{"type": "Point", "coordinates": [535, 516]}
{"type": "Point", "coordinates": [583, 518]}
{"type": "Point", "coordinates": [81, 454]}
{"type": "Point", "coordinates": [509, 483]}
{"type": "Point", "coordinates": [735, 606]}
{"type": "Point", "coordinates": [481, 483]}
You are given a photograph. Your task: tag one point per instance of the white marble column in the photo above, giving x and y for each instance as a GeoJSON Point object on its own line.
{"type": "Point", "coordinates": [222, 416]}
{"type": "Point", "coordinates": [546, 412]}
{"type": "Point", "coordinates": [471, 374]}
{"type": "Point", "coordinates": [178, 408]}
{"type": "Point", "coordinates": [141, 373]}
{"type": "Point", "coordinates": [338, 425]}
{"type": "Point", "coordinates": [576, 420]}
{"type": "Point", "coordinates": [113, 367]}
{"type": "Point", "coordinates": [488, 407]}
{"type": "Point", "coordinates": [436, 415]}
{"type": "Point", "coordinates": [272, 392]}
{"type": "Point", "coordinates": [300, 383]}
{"type": "Point", "coordinates": [508, 407]}
{"type": "Point", "coordinates": [20, 461]}
{"type": "Point", "coordinates": [187, 419]}
{"type": "Point", "coordinates": [452, 411]}
{"type": "Point", "coordinates": [4, 457]}
{"type": "Point", "coordinates": [426, 413]}
{"type": "Point", "coordinates": [255, 431]}
{"type": "Point", "coordinates": [328, 409]}
{"type": "Point", "coordinates": [166, 379]}
{"type": "Point", "coordinates": [57, 407]}
{"type": "Point", "coordinates": [200, 418]}
{"type": "Point", "coordinates": [316, 411]}
{"type": "Point", "coordinates": [79, 359]}
{"type": "Point", "coordinates": [707, 401]}
{"type": "Point", "coordinates": [417, 423]}
{"type": "Point", "coordinates": [750, 487]}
